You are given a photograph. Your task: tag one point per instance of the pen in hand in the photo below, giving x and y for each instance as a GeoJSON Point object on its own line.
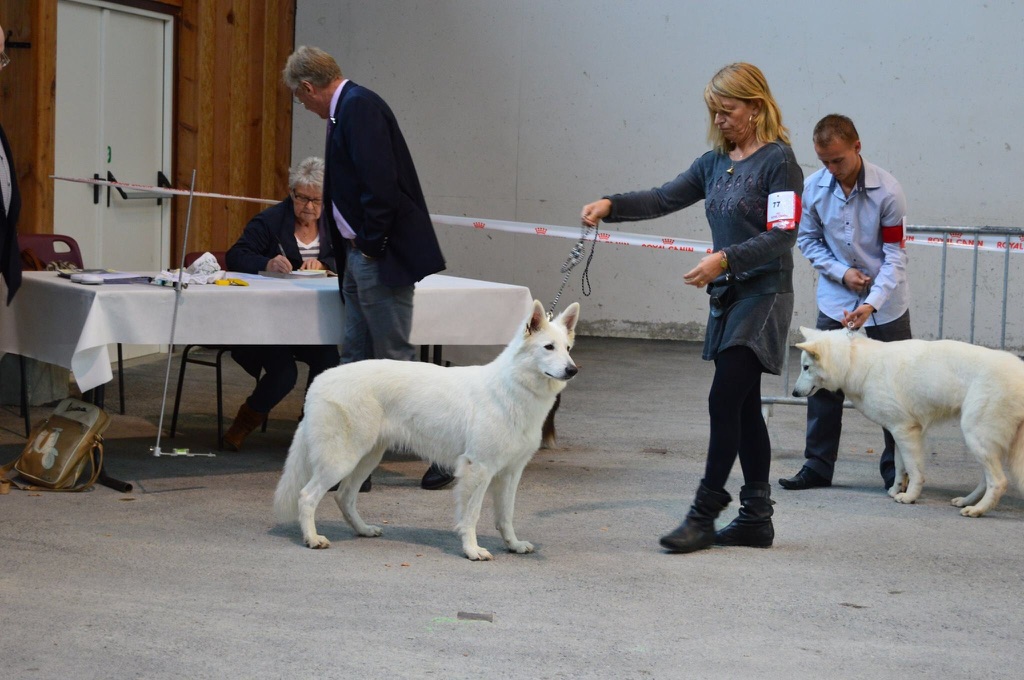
{"type": "Point", "coordinates": [285, 266]}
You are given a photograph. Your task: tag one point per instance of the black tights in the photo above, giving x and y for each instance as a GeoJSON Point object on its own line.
{"type": "Point", "coordinates": [737, 425]}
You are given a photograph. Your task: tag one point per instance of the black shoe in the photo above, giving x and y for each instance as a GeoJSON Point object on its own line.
{"type": "Point", "coordinates": [805, 479]}
{"type": "Point", "coordinates": [753, 526]}
{"type": "Point", "coordinates": [436, 477]}
{"type": "Point", "coordinates": [698, 529]}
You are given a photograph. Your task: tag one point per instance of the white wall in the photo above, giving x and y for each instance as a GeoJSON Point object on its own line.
{"type": "Point", "coordinates": [525, 110]}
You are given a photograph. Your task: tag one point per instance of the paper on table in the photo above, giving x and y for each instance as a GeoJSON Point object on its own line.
{"type": "Point", "coordinates": [298, 273]}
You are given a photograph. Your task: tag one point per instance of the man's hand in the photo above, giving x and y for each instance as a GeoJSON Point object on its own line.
{"type": "Point", "coordinates": [856, 280]}
{"type": "Point", "coordinates": [858, 317]}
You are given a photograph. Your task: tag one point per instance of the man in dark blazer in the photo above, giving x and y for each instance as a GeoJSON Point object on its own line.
{"type": "Point", "coordinates": [377, 216]}
{"type": "Point", "coordinates": [10, 206]}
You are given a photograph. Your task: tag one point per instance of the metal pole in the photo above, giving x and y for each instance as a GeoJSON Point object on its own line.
{"type": "Point", "coordinates": [1006, 282]}
{"type": "Point", "coordinates": [178, 289]}
{"type": "Point", "coordinates": [942, 285]}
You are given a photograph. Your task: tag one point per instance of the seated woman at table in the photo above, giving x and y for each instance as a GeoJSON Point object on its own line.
{"type": "Point", "coordinates": [281, 239]}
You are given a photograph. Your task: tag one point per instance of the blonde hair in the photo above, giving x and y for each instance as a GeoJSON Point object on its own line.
{"type": "Point", "coordinates": [744, 81]}
{"type": "Point", "coordinates": [310, 64]}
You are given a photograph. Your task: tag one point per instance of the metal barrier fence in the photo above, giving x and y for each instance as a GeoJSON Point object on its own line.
{"type": "Point", "coordinates": [974, 239]}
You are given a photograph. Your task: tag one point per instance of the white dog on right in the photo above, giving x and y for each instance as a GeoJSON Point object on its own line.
{"type": "Point", "coordinates": [907, 385]}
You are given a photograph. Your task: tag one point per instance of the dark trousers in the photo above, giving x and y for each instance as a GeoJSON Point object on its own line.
{"type": "Point", "coordinates": [825, 409]}
{"type": "Point", "coordinates": [737, 426]}
{"type": "Point", "coordinates": [280, 369]}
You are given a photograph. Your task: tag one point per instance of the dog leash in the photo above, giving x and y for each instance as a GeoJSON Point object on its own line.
{"type": "Point", "coordinates": [575, 257]}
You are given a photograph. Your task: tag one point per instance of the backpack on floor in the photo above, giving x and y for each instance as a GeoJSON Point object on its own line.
{"type": "Point", "coordinates": [59, 449]}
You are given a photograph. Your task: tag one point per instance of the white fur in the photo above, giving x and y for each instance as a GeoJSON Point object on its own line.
{"type": "Point", "coordinates": [482, 421]}
{"type": "Point", "coordinates": [906, 386]}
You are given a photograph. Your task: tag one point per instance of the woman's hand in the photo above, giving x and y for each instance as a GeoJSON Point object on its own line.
{"type": "Point", "coordinates": [279, 264]}
{"type": "Point", "coordinates": [312, 264]}
{"type": "Point", "coordinates": [593, 213]}
{"type": "Point", "coordinates": [708, 269]}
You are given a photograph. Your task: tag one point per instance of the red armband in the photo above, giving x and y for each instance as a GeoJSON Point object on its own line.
{"type": "Point", "coordinates": [895, 234]}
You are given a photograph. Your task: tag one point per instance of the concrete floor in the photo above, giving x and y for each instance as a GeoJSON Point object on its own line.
{"type": "Point", "coordinates": [188, 576]}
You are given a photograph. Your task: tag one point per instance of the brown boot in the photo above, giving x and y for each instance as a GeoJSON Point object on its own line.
{"type": "Point", "coordinates": [246, 421]}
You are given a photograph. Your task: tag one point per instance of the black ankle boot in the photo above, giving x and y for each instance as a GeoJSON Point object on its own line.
{"type": "Point", "coordinates": [753, 526]}
{"type": "Point", "coordinates": [698, 531]}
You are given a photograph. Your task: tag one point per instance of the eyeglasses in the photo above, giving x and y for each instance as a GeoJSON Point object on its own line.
{"type": "Point", "coordinates": [4, 60]}
{"type": "Point", "coordinates": [306, 200]}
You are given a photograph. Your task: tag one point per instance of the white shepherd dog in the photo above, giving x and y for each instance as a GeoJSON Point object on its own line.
{"type": "Point", "coordinates": [907, 385]}
{"type": "Point", "coordinates": [482, 421]}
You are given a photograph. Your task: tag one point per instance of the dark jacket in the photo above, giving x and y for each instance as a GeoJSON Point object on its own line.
{"type": "Point", "coordinates": [371, 178]}
{"type": "Point", "coordinates": [10, 253]}
{"type": "Point", "coordinates": [266, 235]}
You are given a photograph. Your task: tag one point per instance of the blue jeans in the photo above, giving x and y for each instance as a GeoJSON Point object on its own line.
{"type": "Point", "coordinates": [378, 318]}
{"type": "Point", "coordinates": [825, 409]}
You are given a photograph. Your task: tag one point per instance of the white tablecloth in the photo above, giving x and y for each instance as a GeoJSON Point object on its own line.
{"type": "Point", "coordinates": [70, 324]}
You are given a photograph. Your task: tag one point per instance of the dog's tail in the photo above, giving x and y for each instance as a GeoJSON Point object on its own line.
{"type": "Point", "coordinates": [1017, 457]}
{"type": "Point", "coordinates": [296, 475]}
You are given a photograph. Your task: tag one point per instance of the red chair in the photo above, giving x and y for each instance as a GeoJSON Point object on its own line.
{"type": "Point", "coordinates": [59, 248]}
{"type": "Point", "coordinates": [45, 247]}
{"type": "Point", "coordinates": [221, 255]}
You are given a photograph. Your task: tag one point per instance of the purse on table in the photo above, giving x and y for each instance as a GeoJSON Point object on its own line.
{"type": "Point", "coordinates": [60, 448]}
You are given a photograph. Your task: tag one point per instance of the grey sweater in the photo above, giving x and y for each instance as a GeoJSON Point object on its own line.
{"type": "Point", "coordinates": [736, 206]}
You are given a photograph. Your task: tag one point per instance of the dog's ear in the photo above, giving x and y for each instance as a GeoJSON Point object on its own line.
{"type": "Point", "coordinates": [538, 317]}
{"type": "Point", "coordinates": [809, 347]}
{"type": "Point", "coordinates": [809, 333]}
{"type": "Point", "coordinates": [569, 317]}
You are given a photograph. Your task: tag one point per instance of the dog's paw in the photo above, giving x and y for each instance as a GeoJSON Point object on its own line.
{"type": "Point", "coordinates": [972, 511]}
{"type": "Point", "coordinates": [959, 502]}
{"type": "Point", "coordinates": [520, 547]}
{"type": "Point", "coordinates": [318, 542]}
{"type": "Point", "coordinates": [904, 498]}
{"type": "Point", "coordinates": [370, 531]}
{"type": "Point", "coordinates": [895, 490]}
{"type": "Point", "coordinates": [478, 554]}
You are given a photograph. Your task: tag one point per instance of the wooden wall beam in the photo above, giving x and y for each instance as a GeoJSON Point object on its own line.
{"type": "Point", "coordinates": [232, 115]}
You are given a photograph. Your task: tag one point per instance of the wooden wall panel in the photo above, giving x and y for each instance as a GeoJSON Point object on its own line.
{"type": "Point", "coordinates": [27, 105]}
{"type": "Point", "coordinates": [234, 125]}
{"type": "Point", "coordinates": [232, 114]}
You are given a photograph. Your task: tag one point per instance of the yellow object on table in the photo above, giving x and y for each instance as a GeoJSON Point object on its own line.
{"type": "Point", "coordinates": [231, 282]}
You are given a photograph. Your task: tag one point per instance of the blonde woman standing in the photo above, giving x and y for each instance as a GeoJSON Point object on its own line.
{"type": "Point", "coordinates": [750, 183]}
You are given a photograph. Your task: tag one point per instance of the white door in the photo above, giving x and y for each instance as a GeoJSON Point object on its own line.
{"type": "Point", "coordinates": [113, 115]}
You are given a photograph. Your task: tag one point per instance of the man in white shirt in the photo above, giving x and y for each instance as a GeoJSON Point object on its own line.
{"type": "Point", "coordinates": [852, 232]}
